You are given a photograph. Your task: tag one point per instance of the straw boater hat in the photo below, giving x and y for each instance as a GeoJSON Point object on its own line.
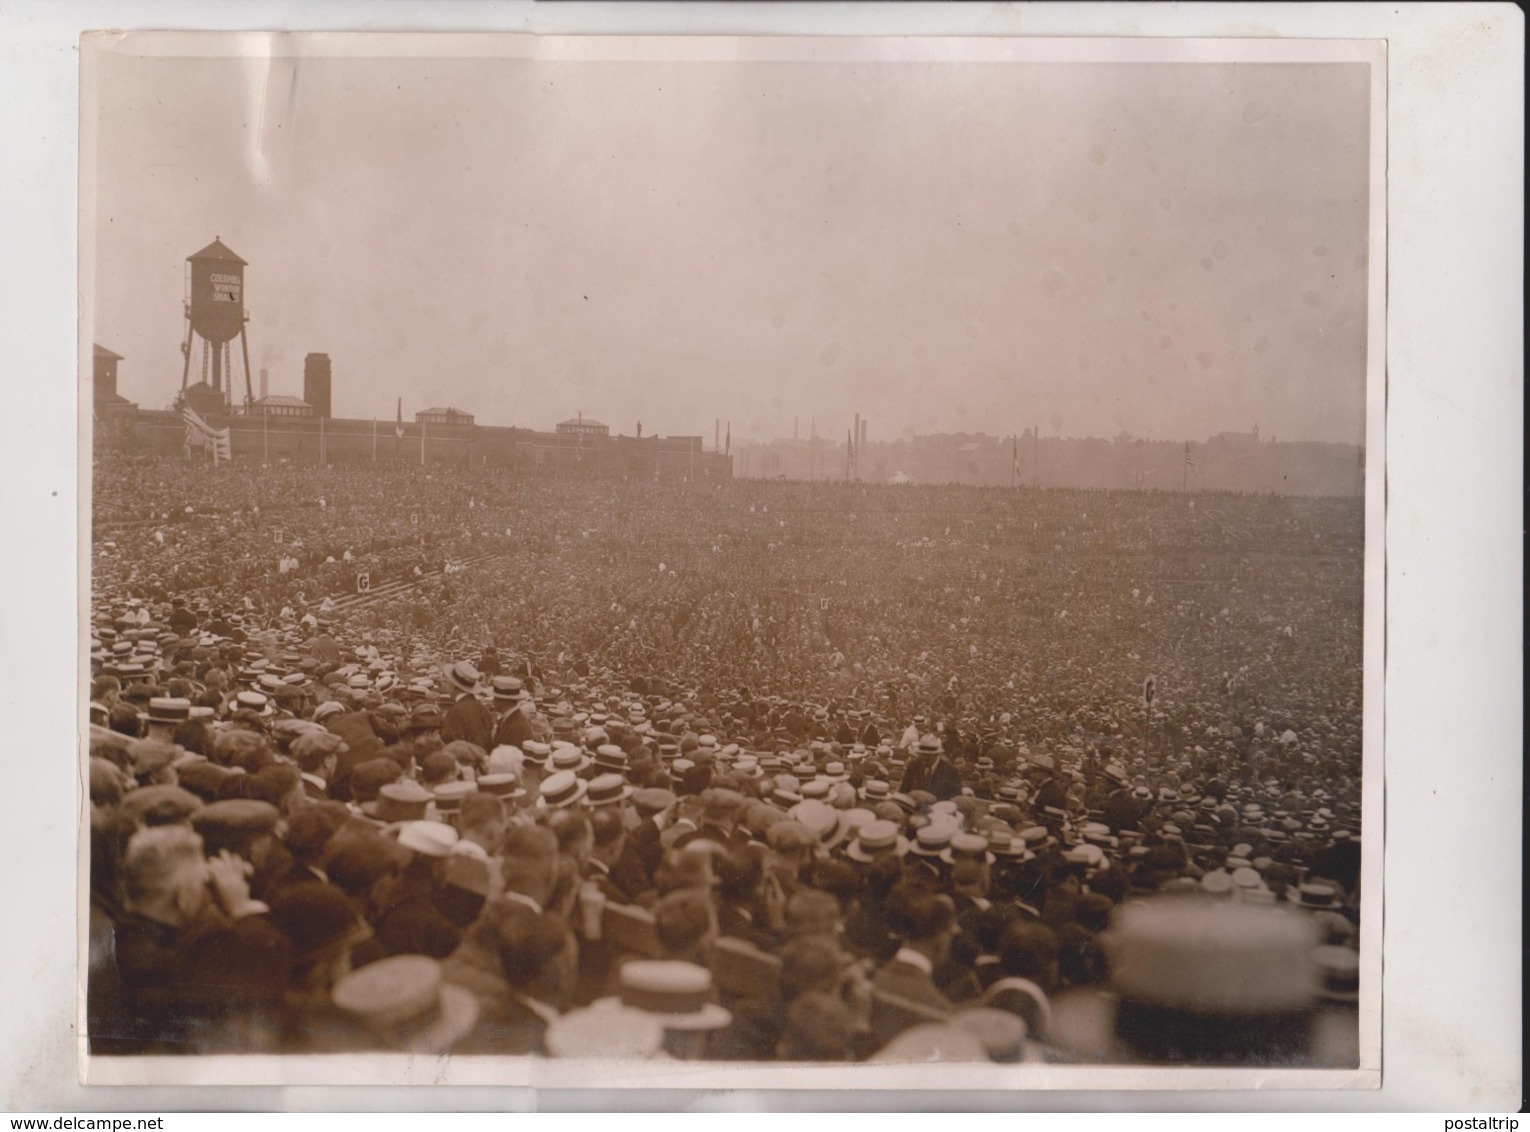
{"type": "Point", "coordinates": [1004, 842]}
{"type": "Point", "coordinates": [462, 676]}
{"type": "Point", "coordinates": [1037, 838]}
{"type": "Point", "coordinates": [1098, 833]}
{"type": "Point", "coordinates": [609, 790]}
{"type": "Point", "coordinates": [932, 839]}
{"type": "Point", "coordinates": [428, 838]}
{"type": "Point", "coordinates": [875, 838]}
{"type": "Point", "coordinates": [854, 818]}
{"type": "Point", "coordinates": [407, 1003]}
{"type": "Point", "coordinates": [826, 823]}
{"type": "Point", "coordinates": [610, 757]}
{"type": "Point", "coordinates": [505, 786]}
{"type": "Point", "coordinates": [169, 710]}
{"type": "Point", "coordinates": [449, 796]}
{"type": "Point", "coordinates": [673, 993]}
{"type": "Point", "coordinates": [966, 846]}
{"type": "Point", "coordinates": [255, 702]}
{"type": "Point", "coordinates": [1317, 895]}
{"type": "Point", "coordinates": [562, 790]}
{"type": "Point", "coordinates": [509, 690]}
{"type": "Point", "coordinates": [399, 801]}
{"type": "Point", "coordinates": [1193, 977]}
{"type": "Point", "coordinates": [605, 1030]}
{"type": "Point", "coordinates": [566, 756]}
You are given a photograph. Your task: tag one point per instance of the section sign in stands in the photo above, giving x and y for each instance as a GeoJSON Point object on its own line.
{"type": "Point", "coordinates": [363, 582]}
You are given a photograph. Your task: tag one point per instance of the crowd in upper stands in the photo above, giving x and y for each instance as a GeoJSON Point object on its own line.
{"type": "Point", "coordinates": [751, 771]}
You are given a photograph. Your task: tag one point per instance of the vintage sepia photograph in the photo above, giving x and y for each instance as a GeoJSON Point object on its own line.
{"type": "Point", "coordinates": [854, 555]}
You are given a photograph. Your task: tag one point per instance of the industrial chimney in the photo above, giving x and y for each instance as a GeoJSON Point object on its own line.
{"type": "Point", "coordinates": [316, 385]}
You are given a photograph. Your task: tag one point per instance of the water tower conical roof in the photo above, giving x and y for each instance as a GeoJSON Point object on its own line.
{"type": "Point", "coordinates": [217, 250]}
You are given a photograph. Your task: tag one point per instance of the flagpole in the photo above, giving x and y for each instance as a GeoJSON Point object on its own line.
{"type": "Point", "coordinates": [265, 434]}
{"type": "Point", "coordinates": [422, 442]}
{"type": "Point", "coordinates": [1184, 472]}
{"type": "Point", "coordinates": [374, 440]}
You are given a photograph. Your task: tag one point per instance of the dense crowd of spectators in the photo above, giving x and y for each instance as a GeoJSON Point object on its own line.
{"type": "Point", "coordinates": [745, 771]}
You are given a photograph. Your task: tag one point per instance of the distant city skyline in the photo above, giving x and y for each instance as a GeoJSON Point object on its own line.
{"type": "Point", "coordinates": [1169, 250]}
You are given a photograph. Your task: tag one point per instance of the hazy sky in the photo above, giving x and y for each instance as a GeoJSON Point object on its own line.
{"type": "Point", "coordinates": [1170, 250]}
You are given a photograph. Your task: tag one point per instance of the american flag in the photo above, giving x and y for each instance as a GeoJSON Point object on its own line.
{"type": "Point", "coordinates": [1189, 459]}
{"type": "Point", "coordinates": [200, 434]}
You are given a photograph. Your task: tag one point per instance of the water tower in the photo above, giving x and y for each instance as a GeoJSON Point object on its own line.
{"type": "Point", "coordinates": [214, 307]}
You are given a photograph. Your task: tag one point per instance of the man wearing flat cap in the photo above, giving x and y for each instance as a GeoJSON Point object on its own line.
{"type": "Point", "coordinates": [317, 754]}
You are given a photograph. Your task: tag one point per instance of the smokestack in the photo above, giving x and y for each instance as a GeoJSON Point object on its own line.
{"type": "Point", "coordinates": [316, 383]}
{"type": "Point", "coordinates": [862, 442]}
{"type": "Point", "coordinates": [796, 434]}
{"type": "Point", "coordinates": [717, 434]}
{"type": "Point", "coordinates": [264, 375]}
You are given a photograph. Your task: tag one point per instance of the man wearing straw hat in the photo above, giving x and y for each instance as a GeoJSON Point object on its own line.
{"type": "Point", "coordinates": [467, 718]}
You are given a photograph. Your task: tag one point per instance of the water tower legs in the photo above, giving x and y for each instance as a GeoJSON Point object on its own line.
{"type": "Point", "coordinates": [244, 348]}
{"type": "Point", "coordinates": [186, 350]}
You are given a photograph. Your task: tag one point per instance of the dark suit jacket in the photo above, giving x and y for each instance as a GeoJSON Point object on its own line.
{"type": "Point", "coordinates": [644, 842]}
{"type": "Point", "coordinates": [907, 981]}
{"type": "Point", "coordinates": [416, 926]}
{"type": "Point", "coordinates": [291, 874]}
{"type": "Point", "coordinates": [468, 719]}
{"type": "Point", "coordinates": [745, 925]}
{"type": "Point", "coordinates": [1123, 811]}
{"type": "Point", "coordinates": [1053, 793]}
{"type": "Point", "coordinates": [176, 983]}
{"type": "Point", "coordinates": [513, 730]}
{"type": "Point", "coordinates": [628, 876]}
{"type": "Point", "coordinates": [945, 780]}
{"type": "Point", "coordinates": [939, 776]}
